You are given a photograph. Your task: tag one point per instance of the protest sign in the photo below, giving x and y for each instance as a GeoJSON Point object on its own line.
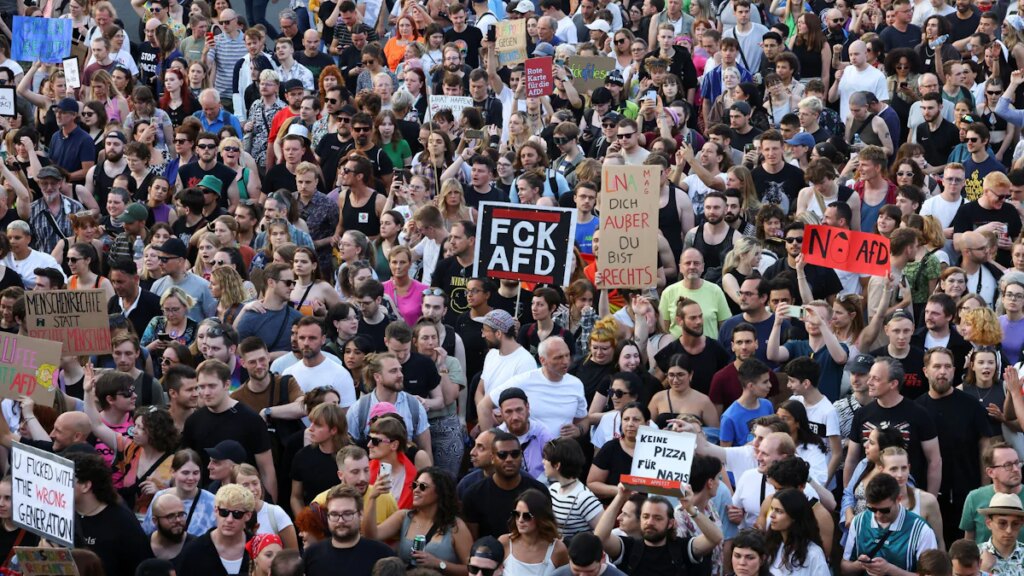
{"type": "Point", "coordinates": [526, 243]}
{"type": "Point", "coordinates": [28, 367]}
{"type": "Point", "coordinates": [843, 249]}
{"type": "Point", "coordinates": [539, 79]}
{"type": "Point", "coordinates": [45, 561]}
{"type": "Point", "coordinates": [589, 72]}
{"type": "Point", "coordinates": [46, 40]}
{"type": "Point", "coordinates": [454, 103]}
{"type": "Point", "coordinates": [43, 493]}
{"type": "Point", "coordinates": [7, 107]}
{"type": "Point", "coordinates": [627, 255]}
{"type": "Point", "coordinates": [71, 73]}
{"type": "Point", "coordinates": [510, 44]}
{"type": "Point", "coordinates": [75, 318]}
{"type": "Point", "coordinates": [663, 456]}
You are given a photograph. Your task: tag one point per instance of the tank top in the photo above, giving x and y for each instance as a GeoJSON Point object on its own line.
{"type": "Point", "coordinates": [714, 254]}
{"type": "Point", "coordinates": [671, 227]}
{"type": "Point", "coordinates": [363, 219]}
{"type": "Point", "coordinates": [867, 133]}
{"type": "Point", "coordinates": [102, 184]}
{"type": "Point", "coordinates": [444, 549]}
{"type": "Point", "coordinates": [810, 62]}
{"type": "Point", "coordinates": [515, 567]}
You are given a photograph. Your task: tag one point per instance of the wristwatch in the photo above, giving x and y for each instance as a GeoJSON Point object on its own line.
{"type": "Point", "coordinates": [442, 566]}
{"type": "Point", "coordinates": [266, 412]}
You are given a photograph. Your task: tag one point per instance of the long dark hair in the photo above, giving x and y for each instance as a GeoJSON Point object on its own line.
{"type": "Point", "coordinates": [804, 435]}
{"type": "Point", "coordinates": [803, 529]}
{"type": "Point", "coordinates": [446, 516]}
{"type": "Point", "coordinates": [538, 505]}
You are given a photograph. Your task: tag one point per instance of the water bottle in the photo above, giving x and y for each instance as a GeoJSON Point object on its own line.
{"type": "Point", "coordinates": [938, 41]}
{"type": "Point", "coordinates": [137, 249]}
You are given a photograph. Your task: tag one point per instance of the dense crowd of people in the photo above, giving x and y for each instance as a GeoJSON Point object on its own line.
{"type": "Point", "coordinates": [308, 374]}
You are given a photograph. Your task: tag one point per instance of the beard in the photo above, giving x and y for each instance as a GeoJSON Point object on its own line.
{"type": "Point", "coordinates": [651, 535]}
{"type": "Point", "coordinates": [170, 535]}
{"type": "Point", "coordinates": [731, 217]}
{"type": "Point", "coordinates": [694, 333]}
{"type": "Point", "coordinates": [115, 157]}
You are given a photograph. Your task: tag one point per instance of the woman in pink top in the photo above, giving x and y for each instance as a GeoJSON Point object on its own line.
{"type": "Point", "coordinates": [406, 293]}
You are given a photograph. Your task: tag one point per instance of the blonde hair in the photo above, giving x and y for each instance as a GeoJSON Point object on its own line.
{"type": "Point", "coordinates": [463, 212]}
{"type": "Point", "coordinates": [743, 246]}
{"type": "Point", "coordinates": [210, 238]}
{"type": "Point", "coordinates": [181, 295]}
{"type": "Point", "coordinates": [605, 330]}
{"type": "Point", "coordinates": [234, 497]}
{"type": "Point", "coordinates": [305, 168]}
{"type": "Point", "coordinates": [985, 327]}
{"type": "Point", "coordinates": [232, 289]}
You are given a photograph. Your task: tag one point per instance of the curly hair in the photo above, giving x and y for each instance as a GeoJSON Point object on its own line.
{"type": "Point", "coordinates": [446, 515]}
{"type": "Point", "coordinates": [160, 429]}
{"type": "Point", "coordinates": [334, 72]}
{"type": "Point", "coordinates": [802, 532]}
{"type": "Point", "coordinates": [764, 214]}
{"type": "Point", "coordinates": [232, 291]}
{"type": "Point", "coordinates": [985, 327]}
{"type": "Point", "coordinates": [235, 497]}
{"type": "Point", "coordinates": [539, 505]}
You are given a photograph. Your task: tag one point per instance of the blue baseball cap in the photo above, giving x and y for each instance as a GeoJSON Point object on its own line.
{"type": "Point", "coordinates": [801, 139]}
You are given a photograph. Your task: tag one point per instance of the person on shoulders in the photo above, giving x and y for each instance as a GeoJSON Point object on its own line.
{"type": "Point", "coordinates": [223, 549]}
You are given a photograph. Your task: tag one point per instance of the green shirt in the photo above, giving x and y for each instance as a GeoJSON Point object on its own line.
{"type": "Point", "coordinates": [973, 521]}
{"type": "Point", "coordinates": [712, 302]}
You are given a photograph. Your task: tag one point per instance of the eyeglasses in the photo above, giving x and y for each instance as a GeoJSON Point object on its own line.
{"type": "Point", "coordinates": [171, 516]}
{"type": "Point", "coordinates": [377, 441]}
{"type": "Point", "coordinates": [506, 454]}
{"type": "Point", "coordinates": [1013, 296]}
{"type": "Point", "coordinates": [624, 136]}
{"type": "Point", "coordinates": [482, 571]}
{"type": "Point", "coordinates": [618, 393]}
{"type": "Point", "coordinates": [433, 292]}
{"type": "Point", "coordinates": [885, 510]}
{"type": "Point", "coordinates": [233, 149]}
{"type": "Point", "coordinates": [341, 516]}
{"type": "Point", "coordinates": [127, 393]}
{"type": "Point", "coordinates": [795, 240]}
{"type": "Point", "coordinates": [361, 129]}
{"type": "Point", "coordinates": [421, 486]}
{"type": "Point", "coordinates": [206, 146]}
{"type": "Point", "coordinates": [972, 139]}
{"type": "Point", "coordinates": [952, 179]}
{"type": "Point", "coordinates": [236, 514]}
{"type": "Point", "coordinates": [165, 360]}
{"type": "Point", "coordinates": [1009, 466]}
{"type": "Point", "coordinates": [524, 516]}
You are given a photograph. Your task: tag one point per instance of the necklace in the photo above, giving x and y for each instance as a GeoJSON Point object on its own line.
{"type": "Point", "coordinates": [981, 398]}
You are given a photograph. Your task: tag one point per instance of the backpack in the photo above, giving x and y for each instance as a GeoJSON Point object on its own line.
{"type": "Point", "coordinates": [364, 415]}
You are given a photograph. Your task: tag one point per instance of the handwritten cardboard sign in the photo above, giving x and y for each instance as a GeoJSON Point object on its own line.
{"type": "Point", "coordinates": [28, 367]}
{"type": "Point", "coordinates": [454, 103]}
{"type": "Point", "coordinates": [663, 456]}
{"type": "Point", "coordinates": [510, 44]}
{"type": "Point", "coordinates": [46, 40]}
{"type": "Point", "coordinates": [45, 561]}
{"type": "Point", "coordinates": [627, 255]}
{"type": "Point", "coordinates": [43, 493]}
{"type": "Point", "coordinates": [589, 72]}
{"type": "Point", "coordinates": [7, 106]}
{"type": "Point", "coordinates": [843, 249]}
{"type": "Point", "coordinates": [75, 318]}
{"type": "Point", "coordinates": [71, 76]}
{"type": "Point", "coordinates": [526, 243]}
{"type": "Point", "coordinates": [539, 78]}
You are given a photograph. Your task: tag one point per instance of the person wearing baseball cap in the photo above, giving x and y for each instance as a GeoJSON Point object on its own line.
{"type": "Point", "coordinates": [177, 272]}
{"type": "Point", "coordinates": [71, 147]}
{"type": "Point", "coordinates": [207, 164]}
{"type": "Point", "coordinates": [50, 215]}
{"type": "Point", "coordinates": [134, 220]}
{"type": "Point", "coordinates": [487, 554]}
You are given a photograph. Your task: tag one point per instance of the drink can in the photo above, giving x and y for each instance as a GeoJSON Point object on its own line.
{"type": "Point", "coordinates": [419, 543]}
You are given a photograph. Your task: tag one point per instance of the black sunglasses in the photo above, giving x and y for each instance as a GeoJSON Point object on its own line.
{"type": "Point", "coordinates": [375, 441]}
{"type": "Point", "coordinates": [236, 514]}
{"type": "Point", "coordinates": [478, 570]}
{"type": "Point", "coordinates": [127, 393]}
{"type": "Point", "coordinates": [421, 486]}
{"type": "Point", "coordinates": [885, 510]}
{"type": "Point", "coordinates": [524, 516]}
{"type": "Point", "coordinates": [505, 454]}
{"type": "Point", "coordinates": [619, 393]}
{"type": "Point", "coordinates": [795, 240]}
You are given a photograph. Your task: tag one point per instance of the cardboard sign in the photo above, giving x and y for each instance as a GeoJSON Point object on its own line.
{"type": "Point", "coordinates": [539, 78]}
{"type": "Point", "coordinates": [75, 318]}
{"type": "Point", "coordinates": [7, 106]}
{"type": "Point", "coordinates": [627, 255]}
{"type": "Point", "coordinates": [526, 243]}
{"type": "Point", "coordinates": [664, 456]}
{"type": "Point", "coordinates": [843, 249]}
{"type": "Point", "coordinates": [454, 103]}
{"type": "Point", "coordinates": [47, 40]}
{"type": "Point", "coordinates": [45, 561]}
{"type": "Point", "coordinates": [43, 493]}
{"type": "Point", "coordinates": [28, 367]}
{"type": "Point", "coordinates": [589, 72]}
{"type": "Point", "coordinates": [71, 73]}
{"type": "Point", "coordinates": [510, 44]}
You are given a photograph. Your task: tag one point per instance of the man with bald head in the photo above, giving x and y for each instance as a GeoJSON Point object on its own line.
{"type": "Point", "coordinates": [859, 76]}
{"type": "Point", "coordinates": [169, 517]}
{"type": "Point", "coordinates": [991, 213]}
{"type": "Point", "coordinates": [751, 489]}
{"type": "Point", "coordinates": [149, 51]}
{"type": "Point", "coordinates": [693, 286]}
{"type": "Point", "coordinates": [311, 56]}
{"type": "Point", "coordinates": [69, 428]}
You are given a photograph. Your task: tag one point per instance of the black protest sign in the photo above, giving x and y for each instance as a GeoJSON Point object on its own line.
{"type": "Point", "coordinates": [525, 243]}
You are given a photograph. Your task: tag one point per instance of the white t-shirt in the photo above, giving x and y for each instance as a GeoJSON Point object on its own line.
{"type": "Point", "coordinates": [817, 459]}
{"type": "Point", "coordinates": [606, 430]}
{"type": "Point", "coordinates": [748, 495]}
{"type": "Point", "coordinates": [326, 373]}
{"type": "Point", "coordinates": [988, 284]}
{"type": "Point", "coordinates": [288, 360]}
{"type": "Point", "coordinates": [553, 404]}
{"type": "Point", "coordinates": [637, 157]}
{"type": "Point", "coordinates": [942, 209]}
{"type": "Point", "coordinates": [499, 369]}
{"type": "Point", "coordinates": [429, 252]}
{"type": "Point", "coordinates": [823, 417]}
{"type": "Point", "coordinates": [26, 268]}
{"type": "Point", "coordinates": [272, 519]}
{"type": "Point", "coordinates": [567, 30]}
{"type": "Point", "coordinates": [868, 80]}
{"type": "Point", "coordinates": [813, 565]}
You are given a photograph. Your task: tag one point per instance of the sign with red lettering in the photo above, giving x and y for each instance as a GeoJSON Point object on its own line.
{"type": "Point", "coordinates": [525, 243]}
{"type": "Point", "coordinates": [539, 80]}
{"type": "Point", "coordinates": [842, 249]}
{"type": "Point", "coordinates": [627, 255]}
{"type": "Point", "coordinates": [43, 493]}
{"type": "Point", "coordinates": [75, 318]}
{"type": "Point", "coordinates": [28, 367]}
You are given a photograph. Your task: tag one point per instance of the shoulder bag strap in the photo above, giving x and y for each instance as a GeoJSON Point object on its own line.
{"type": "Point", "coordinates": [192, 508]}
{"type": "Point", "coordinates": [142, 478]}
{"type": "Point", "coordinates": [53, 222]}
{"type": "Point", "coordinates": [17, 542]}
{"type": "Point", "coordinates": [304, 294]}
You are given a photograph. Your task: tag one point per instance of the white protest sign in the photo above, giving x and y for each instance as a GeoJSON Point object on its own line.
{"type": "Point", "coordinates": [71, 73]}
{"type": "Point", "coordinates": [454, 103]}
{"type": "Point", "coordinates": [663, 455]}
{"type": "Point", "coordinates": [43, 493]}
{"type": "Point", "coordinates": [7, 106]}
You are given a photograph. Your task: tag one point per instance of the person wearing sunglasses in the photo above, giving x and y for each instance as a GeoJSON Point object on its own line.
{"type": "Point", "coordinates": [223, 550]}
{"type": "Point", "coordinates": [487, 554]}
{"type": "Point", "coordinates": [991, 212]}
{"type": "Point", "coordinates": [272, 317]}
{"type": "Point", "coordinates": [488, 506]}
{"type": "Point", "coordinates": [981, 161]}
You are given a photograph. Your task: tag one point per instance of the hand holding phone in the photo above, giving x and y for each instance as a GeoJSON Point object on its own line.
{"type": "Point", "coordinates": [385, 469]}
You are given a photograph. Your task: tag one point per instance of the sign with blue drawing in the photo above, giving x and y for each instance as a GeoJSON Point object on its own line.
{"type": "Point", "coordinates": [46, 40]}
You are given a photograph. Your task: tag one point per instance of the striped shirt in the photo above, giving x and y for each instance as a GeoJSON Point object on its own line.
{"type": "Point", "coordinates": [575, 509]}
{"type": "Point", "coordinates": [900, 544]}
{"type": "Point", "coordinates": [344, 36]}
{"type": "Point", "coordinates": [225, 52]}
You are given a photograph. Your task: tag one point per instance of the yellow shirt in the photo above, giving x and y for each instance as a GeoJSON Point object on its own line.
{"type": "Point", "coordinates": [386, 505]}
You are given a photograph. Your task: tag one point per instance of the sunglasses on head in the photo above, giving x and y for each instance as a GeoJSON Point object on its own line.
{"type": "Point", "coordinates": [236, 514]}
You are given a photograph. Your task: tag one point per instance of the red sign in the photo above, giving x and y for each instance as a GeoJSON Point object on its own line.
{"type": "Point", "coordinates": [843, 249]}
{"type": "Point", "coordinates": [539, 78]}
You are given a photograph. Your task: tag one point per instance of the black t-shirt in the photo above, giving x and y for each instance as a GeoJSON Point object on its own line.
{"type": "Point", "coordinates": [613, 458]}
{"type": "Point", "coordinates": [382, 165]}
{"type": "Point", "coordinates": [375, 332]}
{"type": "Point", "coordinates": [7, 543]}
{"type": "Point", "coordinates": [116, 537]}
{"type": "Point", "coordinates": [330, 151]}
{"type": "Point", "coordinates": [595, 377]}
{"type": "Point", "coordinates": [960, 29]}
{"type": "Point", "coordinates": [961, 422]}
{"type": "Point", "coordinates": [738, 140]}
{"type": "Point", "coordinates": [451, 276]}
{"type": "Point", "coordinates": [323, 559]}
{"type": "Point", "coordinates": [910, 419]}
{"type": "Point", "coordinates": [893, 38]}
{"type": "Point", "coordinates": [788, 181]}
{"type": "Point", "coordinates": [190, 174]}
{"type": "Point", "coordinates": [495, 194]}
{"type": "Point", "coordinates": [937, 144]}
{"type": "Point", "coordinates": [710, 360]}
{"type": "Point", "coordinates": [472, 37]}
{"type": "Point", "coordinates": [205, 429]}
{"type": "Point", "coordinates": [915, 383]}
{"type": "Point", "coordinates": [823, 281]}
{"type": "Point", "coordinates": [489, 506]}
{"type": "Point", "coordinates": [509, 305]}
{"type": "Point", "coordinates": [657, 560]}
{"type": "Point", "coordinates": [316, 63]}
{"type": "Point", "coordinates": [529, 338]}
{"type": "Point", "coordinates": [279, 178]}
{"type": "Point", "coordinates": [317, 472]}
{"type": "Point", "coordinates": [420, 375]}
{"type": "Point", "coordinates": [473, 341]}
{"type": "Point", "coordinates": [148, 59]}
{"type": "Point", "coordinates": [971, 215]}
{"type": "Point", "coordinates": [185, 232]}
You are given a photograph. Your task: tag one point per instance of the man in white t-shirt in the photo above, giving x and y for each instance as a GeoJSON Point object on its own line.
{"type": "Point", "coordinates": [315, 369]}
{"type": "Point", "coordinates": [556, 396]}
{"type": "Point", "coordinates": [431, 224]}
{"type": "Point", "coordinates": [945, 205]}
{"type": "Point", "coordinates": [751, 489]}
{"type": "Point", "coordinates": [506, 359]}
{"type": "Point", "coordinates": [859, 76]}
{"type": "Point", "coordinates": [803, 374]}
